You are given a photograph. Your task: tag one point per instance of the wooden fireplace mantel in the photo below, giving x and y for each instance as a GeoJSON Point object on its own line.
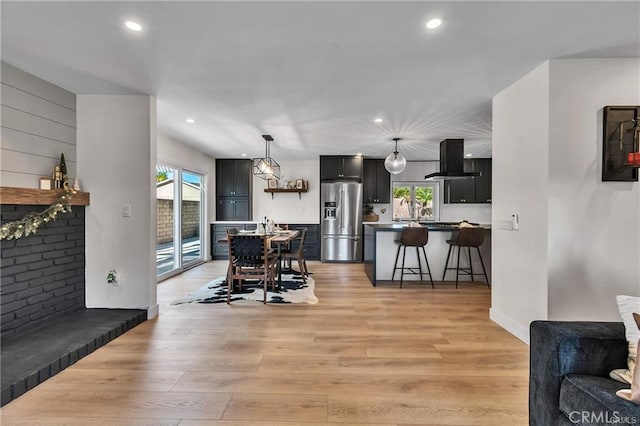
{"type": "Point", "coordinates": [33, 196]}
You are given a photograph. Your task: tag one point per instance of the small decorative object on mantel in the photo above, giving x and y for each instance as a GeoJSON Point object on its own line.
{"type": "Point", "coordinates": [59, 175]}
{"type": "Point", "coordinates": [57, 178]}
{"type": "Point", "coordinates": [299, 184]}
{"type": "Point", "coordinates": [45, 183]}
{"type": "Point", "coordinates": [620, 143]}
{"type": "Point", "coordinates": [272, 183]}
{"type": "Point", "coordinates": [63, 167]}
{"type": "Point", "coordinates": [31, 221]}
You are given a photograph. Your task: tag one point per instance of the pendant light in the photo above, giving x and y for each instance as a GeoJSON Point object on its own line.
{"type": "Point", "coordinates": [395, 162]}
{"type": "Point", "coordinates": [266, 167]}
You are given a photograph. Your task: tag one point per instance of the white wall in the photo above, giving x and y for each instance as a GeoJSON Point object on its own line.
{"type": "Point", "coordinates": [38, 122]}
{"type": "Point", "coordinates": [287, 207]}
{"type": "Point", "coordinates": [520, 185]}
{"type": "Point", "coordinates": [577, 247]}
{"type": "Point", "coordinates": [593, 225]}
{"type": "Point", "coordinates": [174, 153]}
{"type": "Point", "coordinates": [116, 164]}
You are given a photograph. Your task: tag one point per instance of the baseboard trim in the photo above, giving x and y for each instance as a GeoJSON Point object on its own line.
{"type": "Point", "coordinates": [153, 311]}
{"type": "Point", "coordinates": [513, 327]}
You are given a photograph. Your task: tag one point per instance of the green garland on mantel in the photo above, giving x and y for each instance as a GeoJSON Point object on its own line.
{"type": "Point", "coordinates": [32, 221]}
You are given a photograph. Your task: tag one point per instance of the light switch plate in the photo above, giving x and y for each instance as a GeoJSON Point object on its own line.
{"type": "Point", "coordinates": [126, 210]}
{"type": "Point", "coordinates": [506, 225]}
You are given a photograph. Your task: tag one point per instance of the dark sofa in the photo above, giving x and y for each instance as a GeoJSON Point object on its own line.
{"type": "Point", "coordinates": [569, 374]}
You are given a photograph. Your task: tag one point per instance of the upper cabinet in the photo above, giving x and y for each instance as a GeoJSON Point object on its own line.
{"type": "Point", "coordinates": [233, 189]}
{"type": "Point", "coordinates": [376, 183]}
{"type": "Point", "coordinates": [233, 178]}
{"type": "Point", "coordinates": [471, 190]}
{"type": "Point", "coordinates": [333, 167]}
{"type": "Point", "coordinates": [483, 183]}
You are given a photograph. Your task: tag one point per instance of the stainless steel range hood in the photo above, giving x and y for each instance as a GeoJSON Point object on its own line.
{"type": "Point", "coordinates": [451, 162]}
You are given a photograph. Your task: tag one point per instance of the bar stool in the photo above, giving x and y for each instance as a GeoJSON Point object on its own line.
{"type": "Point", "coordinates": [412, 237]}
{"type": "Point", "coordinates": [466, 237]}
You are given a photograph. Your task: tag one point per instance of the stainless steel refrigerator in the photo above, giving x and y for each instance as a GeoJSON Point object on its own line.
{"type": "Point", "coordinates": [341, 221]}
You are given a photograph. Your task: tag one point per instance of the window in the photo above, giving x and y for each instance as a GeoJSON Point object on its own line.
{"type": "Point", "coordinates": [415, 200]}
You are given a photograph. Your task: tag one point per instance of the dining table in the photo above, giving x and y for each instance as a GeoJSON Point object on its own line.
{"type": "Point", "coordinates": [279, 238]}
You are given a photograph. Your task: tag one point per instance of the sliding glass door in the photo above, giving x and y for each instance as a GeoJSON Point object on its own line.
{"type": "Point", "coordinates": [191, 217]}
{"type": "Point", "coordinates": [180, 213]}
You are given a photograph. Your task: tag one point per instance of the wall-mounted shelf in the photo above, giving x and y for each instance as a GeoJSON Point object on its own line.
{"type": "Point", "coordinates": [42, 197]}
{"type": "Point", "coordinates": [278, 190]}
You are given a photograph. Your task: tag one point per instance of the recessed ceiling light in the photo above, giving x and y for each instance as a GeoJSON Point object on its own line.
{"type": "Point", "coordinates": [469, 155]}
{"type": "Point", "coordinates": [243, 155]}
{"type": "Point", "coordinates": [190, 120]}
{"type": "Point", "coordinates": [378, 120]}
{"type": "Point", "coordinates": [133, 26]}
{"type": "Point", "coordinates": [359, 154]}
{"type": "Point", "coordinates": [434, 23]}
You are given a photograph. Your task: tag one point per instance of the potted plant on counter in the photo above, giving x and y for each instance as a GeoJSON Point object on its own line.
{"type": "Point", "coordinates": [368, 215]}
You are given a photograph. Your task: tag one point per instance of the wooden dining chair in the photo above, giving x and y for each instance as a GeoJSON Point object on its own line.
{"type": "Point", "coordinates": [250, 257]}
{"type": "Point", "coordinates": [298, 254]}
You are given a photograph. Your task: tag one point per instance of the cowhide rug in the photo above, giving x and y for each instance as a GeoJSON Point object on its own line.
{"type": "Point", "coordinates": [294, 291]}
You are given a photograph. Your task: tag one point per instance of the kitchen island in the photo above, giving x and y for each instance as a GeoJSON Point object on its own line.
{"type": "Point", "coordinates": [380, 251]}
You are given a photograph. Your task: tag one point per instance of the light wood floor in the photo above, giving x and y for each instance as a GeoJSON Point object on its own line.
{"type": "Point", "coordinates": [362, 355]}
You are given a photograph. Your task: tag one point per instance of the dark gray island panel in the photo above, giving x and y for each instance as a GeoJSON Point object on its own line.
{"type": "Point", "coordinates": [380, 250]}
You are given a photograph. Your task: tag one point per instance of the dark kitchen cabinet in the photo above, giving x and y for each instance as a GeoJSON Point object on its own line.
{"type": "Point", "coordinates": [483, 182]}
{"type": "Point", "coordinates": [470, 190]}
{"type": "Point", "coordinates": [229, 208]}
{"type": "Point", "coordinates": [233, 189]}
{"type": "Point", "coordinates": [334, 167]}
{"type": "Point", "coordinates": [233, 178]}
{"type": "Point", "coordinates": [376, 182]}
{"type": "Point", "coordinates": [461, 191]}
{"type": "Point", "coordinates": [220, 250]}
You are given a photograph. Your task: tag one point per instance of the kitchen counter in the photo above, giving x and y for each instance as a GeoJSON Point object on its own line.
{"type": "Point", "coordinates": [432, 226]}
{"type": "Point", "coordinates": [255, 222]}
{"type": "Point", "coordinates": [380, 248]}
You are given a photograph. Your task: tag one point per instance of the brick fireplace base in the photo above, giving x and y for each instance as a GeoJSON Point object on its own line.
{"type": "Point", "coordinates": [31, 358]}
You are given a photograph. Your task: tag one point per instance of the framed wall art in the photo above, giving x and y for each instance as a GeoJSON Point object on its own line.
{"type": "Point", "coordinates": [621, 132]}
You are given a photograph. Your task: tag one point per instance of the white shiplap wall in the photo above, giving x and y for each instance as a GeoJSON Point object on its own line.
{"type": "Point", "coordinates": [38, 123]}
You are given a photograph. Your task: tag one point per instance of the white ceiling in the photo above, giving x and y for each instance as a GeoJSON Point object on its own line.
{"type": "Point", "coordinates": [312, 74]}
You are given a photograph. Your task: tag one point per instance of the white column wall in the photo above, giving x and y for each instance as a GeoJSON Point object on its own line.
{"type": "Point", "coordinates": [593, 225]}
{"type": "Point", "coordinates": [578, 244]}
{"type": "Point", "coordinates": [116, 152]}
{"type": "Point", "coordinates": [520, 186]}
